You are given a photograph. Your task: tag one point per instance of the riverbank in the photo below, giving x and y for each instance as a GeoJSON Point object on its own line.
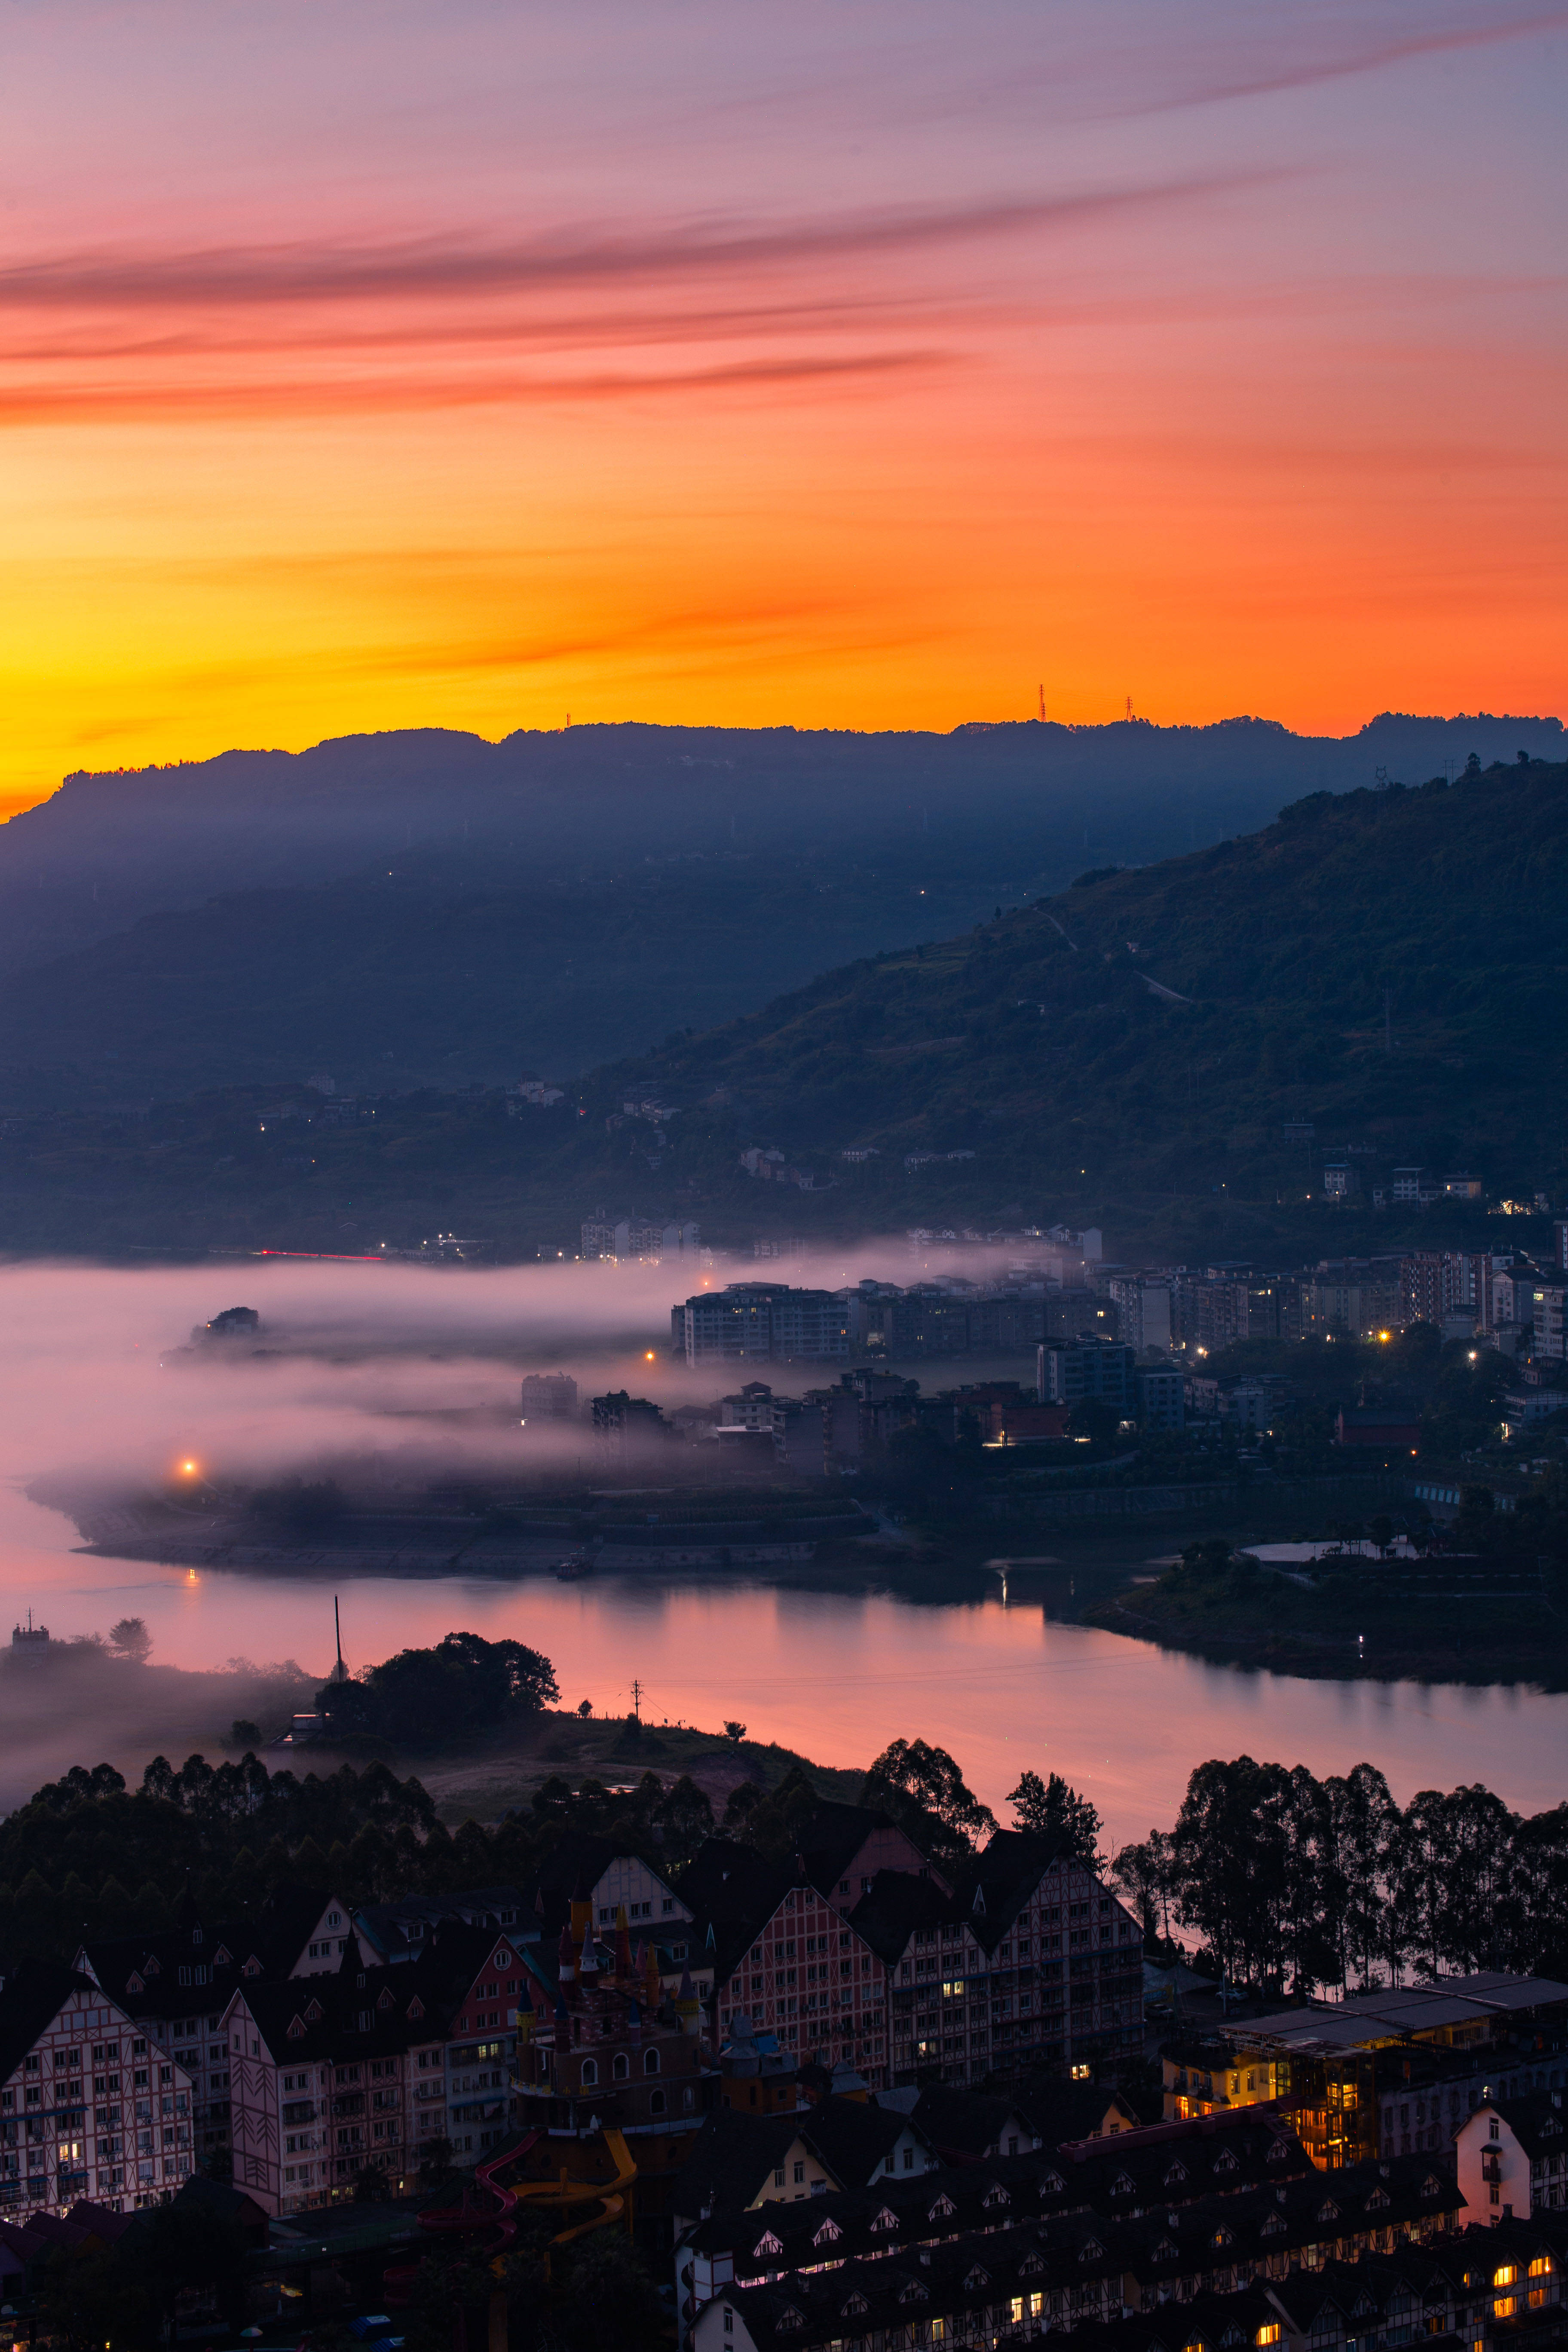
{"type": "Point", "coordinates": [1500, 1632]}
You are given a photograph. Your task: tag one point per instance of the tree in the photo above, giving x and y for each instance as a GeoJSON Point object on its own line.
{"type": "Point", "coordinates": [244, 1733]}
{"type": "Point", "coordinates": [129, 1639]}
{"type": "Point", "coordinates": [1049, 1809]}
{"type": "Point", "coordinates": [435, 2162]}
{"type": "Point", "coordinates": [370, 2186]}
{"type": "Point", "coordinates": [607, 2297]}
{"type": "Point", "coordinates": [741, 1804]}
{"type": "Point", "coordinates": [924, 1791]}
{"type": "Point", "coordinates": [585, 1709]}
{"type": "Point", "coordinates": [1365, 1828]}
{"type": "Point", "coordinates": [735, 1732]}
{"type": "Point", "coordinates": [686, 1817]}
{"type": "Point", "coordinates": [437, 1698]}
{"type": "Point", "coordinates": [1146, 1875]}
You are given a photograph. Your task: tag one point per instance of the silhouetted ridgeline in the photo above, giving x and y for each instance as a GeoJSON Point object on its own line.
{"type": "Point", "coordinates": [429, 905]}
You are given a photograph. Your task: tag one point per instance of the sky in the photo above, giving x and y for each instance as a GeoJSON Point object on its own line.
{"type": "Point", "coordinates": [886, 363]}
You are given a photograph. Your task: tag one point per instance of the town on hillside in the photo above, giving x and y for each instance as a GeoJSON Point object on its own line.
{"type": "Point", "coordinates": [854, 2091]}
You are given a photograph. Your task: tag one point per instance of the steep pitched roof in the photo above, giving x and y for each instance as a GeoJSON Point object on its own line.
{"type": "Point", "coordinates": [31, 1998]}
{"type": "Point", "coordinates": [733, 2160]}
{"type": "Point", "coordinates": [1539, 2126]}
{"type": "Point", "coordinates": [387, 1926]}
{"type": "Point", "coordinates": [144, 1973]}
{"type": "Point", "coordinates": [896, 1904]}
{"type": "Point", "coordinates": [833, 1834]}
{"type": "Point", "coordinates": [853, 2137]}
{"type": "Point", "coordinates": [962, 2125]}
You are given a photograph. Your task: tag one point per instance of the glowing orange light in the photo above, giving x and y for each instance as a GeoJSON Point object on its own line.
{"type": "Point", "coordinates": [649, 1357]}
{"type": "Point", "coordinates": [189, 1468]}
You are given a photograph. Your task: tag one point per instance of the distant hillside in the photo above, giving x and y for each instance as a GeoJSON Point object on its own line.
{"type": "Point", "coordinates": [429, 908]}
{"type": "Point", "coordinates": [105, 848]}
{"type": "Point", "coordinates": [1153, 1031]}
{"type": "Point", "coordinates": [430, 977]}
{"type": "Point", "coordinates": [1388, 969]}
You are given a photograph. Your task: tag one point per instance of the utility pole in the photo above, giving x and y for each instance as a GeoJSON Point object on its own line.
{"type": "Point", "coordinates": [1042, 703]}
{"type": "Point", "coordinates": [637, 1699]}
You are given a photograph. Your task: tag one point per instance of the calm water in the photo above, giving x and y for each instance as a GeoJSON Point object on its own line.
{"type": "Point", "coordinates": [837, 1676]}
{"type": "Point", "coordinates": [834, 1677]}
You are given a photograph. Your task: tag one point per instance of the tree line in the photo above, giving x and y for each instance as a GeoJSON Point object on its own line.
{"type": "Point", "coordinates": [90, 1858]}
{"type": "Point", "coordinates": [1291, 1882]}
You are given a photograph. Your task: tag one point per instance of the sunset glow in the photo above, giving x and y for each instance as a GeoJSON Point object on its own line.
{"type": "Point", "coordinates": [384, 367]}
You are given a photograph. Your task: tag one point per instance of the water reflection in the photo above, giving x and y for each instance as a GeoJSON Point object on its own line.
{"type": "Point", "coordinates": [834, 1674]}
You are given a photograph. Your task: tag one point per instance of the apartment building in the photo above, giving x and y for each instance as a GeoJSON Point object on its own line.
{"type": "Point", "coordinates": [330, 2074]}
{"type": "Point", "coordinates": [90, 2106]}
{"type": "Point", "coordinates": [1041, 1969]}
{"type": "Point", "coordinates": [1068, 1372]}
{"type": "Point", "coordinates": [177, 1984]}
{"type": "Point", "coordinates": [762, 1322]}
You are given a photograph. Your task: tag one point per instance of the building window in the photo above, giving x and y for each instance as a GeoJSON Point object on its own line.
{"type": "Point", "coordinates": [621, 2066]}
{"type": "Point", "coordinates": [650, 2061]}
{"type": "Point", "coordinates": [590, 2073]}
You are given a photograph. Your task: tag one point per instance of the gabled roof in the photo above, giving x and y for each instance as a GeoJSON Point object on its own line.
{"type": "Point", "coordinates": [1538, 2126]}
{"type": "Point", "coordinates": [853, 2137]}
{"type": "Point", "coordinates": [833, 1834]}
{"type": "Point", "coordinates": [386, 1925]}
{"type": "Point", "coordinates": [961, 2125]}
{"type": "Point", "coordinates": [1061, 2111]}
{"type": "Point", "coordinates": [896, 1907]}
{"type": "Point", "coordinates": [733, 2160]}
{"type": "Point", "coordinates": [32, 1997]}
{"type": "Point", "coordinates": [306, 2018]}
{"type": "Point", "coordinates": [580, 1861]}
{"type": "Point", "coordinates": [142, 1972]}
{"type": "Point", "coordinates": [734, 2156]}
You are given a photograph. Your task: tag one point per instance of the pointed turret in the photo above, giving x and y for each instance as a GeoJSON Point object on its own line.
{"type": "Point", "coordinates": [566, 1956]}
{"type": "Point", "coordinates": [687, 2008]}
{"type": "Point", "coordinates": [653, 1989]}
{"type": "Point", "coordinates": [582, 1910]}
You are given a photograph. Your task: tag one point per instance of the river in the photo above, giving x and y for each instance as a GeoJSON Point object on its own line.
{"type": "Point", "coordinates": [836, 1676]}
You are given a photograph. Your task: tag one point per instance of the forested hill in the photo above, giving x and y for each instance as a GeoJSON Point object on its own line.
{"type": "Point", "coordinates": [1389, 965]}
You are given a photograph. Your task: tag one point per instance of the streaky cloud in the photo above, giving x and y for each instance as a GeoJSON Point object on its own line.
{"type": "Point", "coordinates": [427, 268]}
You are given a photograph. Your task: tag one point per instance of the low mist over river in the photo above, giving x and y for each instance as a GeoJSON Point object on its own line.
{"type": "Point", "coordinates": [417, 1364]}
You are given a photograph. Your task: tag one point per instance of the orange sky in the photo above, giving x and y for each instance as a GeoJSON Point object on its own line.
{"type": "Point", "coordinates": [375, 366]}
